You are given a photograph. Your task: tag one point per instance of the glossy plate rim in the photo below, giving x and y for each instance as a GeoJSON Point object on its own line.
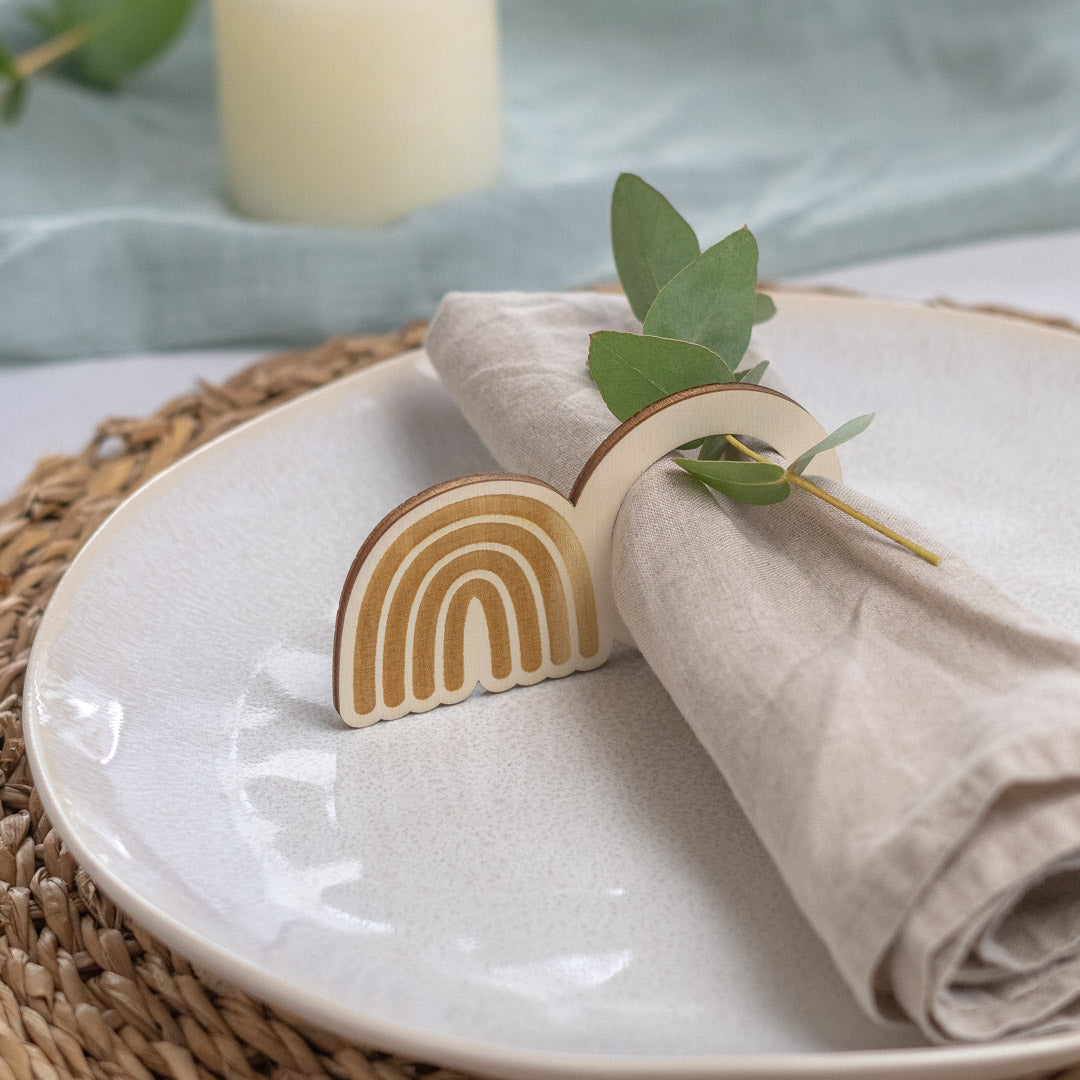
{"type": "Point", "coordinates": [1003, 1059]}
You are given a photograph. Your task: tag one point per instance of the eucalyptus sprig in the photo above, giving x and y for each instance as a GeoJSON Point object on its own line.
{"type": "Point", "coordinates": [97, 42]}
{"type": "Point", "coordinates": [697, 310]}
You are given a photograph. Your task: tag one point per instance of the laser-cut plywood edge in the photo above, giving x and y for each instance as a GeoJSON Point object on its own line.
{"type": "Point", "coordinates": [499, 579]}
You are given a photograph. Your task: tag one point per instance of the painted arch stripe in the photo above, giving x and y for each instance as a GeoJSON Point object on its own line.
{"type": "Point", "coordinates": [421, 608]}
{"type": "Point", "coordinates": [468, 529]}
{"type": "Point", "coordinates": [498, 630]}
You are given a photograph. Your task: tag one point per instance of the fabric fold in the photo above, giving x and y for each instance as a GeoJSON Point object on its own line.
{"type": "Point", "coordinates": [904, 739]}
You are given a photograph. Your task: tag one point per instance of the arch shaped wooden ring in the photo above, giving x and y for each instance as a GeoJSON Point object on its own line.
{"type": "Point", "coordinates": [500, 579]}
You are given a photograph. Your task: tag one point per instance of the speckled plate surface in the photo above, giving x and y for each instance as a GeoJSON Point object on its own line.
{"type": "Point", "coordinates": [550, 882]}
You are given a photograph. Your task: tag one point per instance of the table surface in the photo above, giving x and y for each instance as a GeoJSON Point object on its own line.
{"type": "Point", "coordinates": [54, 407]}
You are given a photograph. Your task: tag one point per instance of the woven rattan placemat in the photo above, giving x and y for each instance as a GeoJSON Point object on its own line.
{"type": "Point", "coordinates": [84, 992]}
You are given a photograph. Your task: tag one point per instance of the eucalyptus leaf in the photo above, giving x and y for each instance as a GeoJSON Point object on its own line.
{"type": "Point", "coordinates": [735, 472]}
{"type": "Point", "coordinates": [48, 22]}
{"type": "Point", "coordinates": [841, 435]}
{"type": "Point", "coordinates": [127, 34]}
{"type": "Point", "coordinates": [764, 308]}
{"type": "Point", "coordinates": [711, 302]}
{"type": "Point", "coordinates": [14, 94]}
{"type": "Point", "coordinates": [59, 16]}
{"type": "Point", "coordinates": [634, 370]}
{"type": "Point", "coordinates": [13, 100]}
{"type": "Point", "coordinates": [713, 448]}
{"type": "Point", "coordinates": [697, 327]}
{"type": "Point", "coordinates": [651, 241]}
{"type": "Point", "coordinates": [753, 375]}
{"type": "Point", "coordinates": [757, 483]}
{"type": "Point", "coordinates": [718, 447]}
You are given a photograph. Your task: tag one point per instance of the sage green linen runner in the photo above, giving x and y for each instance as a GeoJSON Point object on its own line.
{"type": "Point", "coordinates": [837, 131]}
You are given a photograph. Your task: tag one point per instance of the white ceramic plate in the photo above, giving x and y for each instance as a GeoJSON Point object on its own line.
{"type": "Point", "coordinates": [565, 888]}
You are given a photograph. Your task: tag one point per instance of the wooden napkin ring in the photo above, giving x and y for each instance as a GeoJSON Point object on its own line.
{"type": "Point", "coordinates": [498, 579]}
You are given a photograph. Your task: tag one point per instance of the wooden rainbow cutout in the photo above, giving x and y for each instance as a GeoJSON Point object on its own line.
{"type": "Point", "coordinates": [500, 580]}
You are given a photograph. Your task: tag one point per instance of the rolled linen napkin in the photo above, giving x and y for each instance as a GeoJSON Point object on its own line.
{"type": "Point", "coordinates": [904, 739]}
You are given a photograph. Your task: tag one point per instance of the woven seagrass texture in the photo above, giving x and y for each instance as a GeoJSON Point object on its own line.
{"type": "Point", "coordinates": [84, 991]}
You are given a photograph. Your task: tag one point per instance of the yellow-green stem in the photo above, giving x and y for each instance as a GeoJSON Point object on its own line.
{"type": "Point", "coordinates": [48, 52]}
{"type": "Point", "coordinates": [806, 485]}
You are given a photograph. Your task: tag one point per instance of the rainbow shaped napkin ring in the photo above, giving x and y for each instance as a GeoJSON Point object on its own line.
{"type": "Point", "coordinates": [498, 579]}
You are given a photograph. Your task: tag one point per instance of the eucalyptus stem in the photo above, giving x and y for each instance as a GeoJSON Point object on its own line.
{"type": "Point", "coordinates": [806, 485]}
{"type": "Point", "coordinates": [48, 52]}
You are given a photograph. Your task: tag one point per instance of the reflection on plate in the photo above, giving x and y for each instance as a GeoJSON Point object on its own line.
{"type": "Point", "coordinates": [549, 882]}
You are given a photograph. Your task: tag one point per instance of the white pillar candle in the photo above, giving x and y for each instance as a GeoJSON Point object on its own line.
{"type": "Point", "coordinates": [353, 112]}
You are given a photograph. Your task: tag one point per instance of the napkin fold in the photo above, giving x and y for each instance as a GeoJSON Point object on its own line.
{"type": "Point", "coordinates": [904, 739]}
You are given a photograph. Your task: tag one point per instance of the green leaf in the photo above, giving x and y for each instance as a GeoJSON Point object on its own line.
{"type": "Point", "coordinates": [713, 448]}
{"type": "Point", "coordinates": [651, 241]}
{"type": "Point", "coordinates": [711, 302]}
{"type": "Point", "coordinates": [841, 435]}
{"type": "Point", "coordinates": [56, 16]}
{"type": "Point", "coordinates": [7, 63]}
{"type": "Point", "coordinates": [764, 308]}
{"type": "Point", "coordinates": [753, 375]}
{"type": "Point", "coordinates": [757, 483]}
{"type": "Point", "coordinates": [48, 21]}
{"type": "Point", "coordinates": [734, 472]}
{"type": "Point", "coordinates": [14, 95]}
{"type": "Point", "coordinates": [128, 34]}
{"type": "Point", "coordinates": [13, 101]}
{"type": "Point", "coordinates": [634, 370]}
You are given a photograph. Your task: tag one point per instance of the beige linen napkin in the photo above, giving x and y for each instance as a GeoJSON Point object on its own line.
{"type": "Point", "coordinates": [904, 739]}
